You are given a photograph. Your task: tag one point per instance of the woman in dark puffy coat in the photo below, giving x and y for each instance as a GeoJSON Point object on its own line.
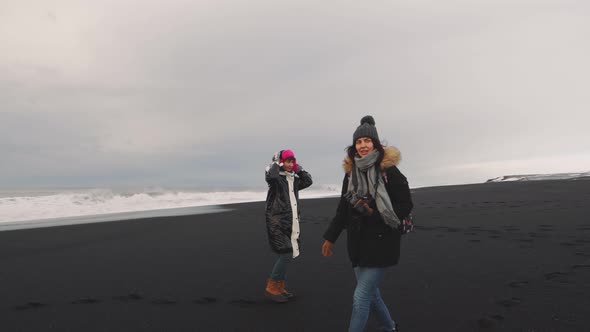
{"type": "Point", "coordinates": [285, 178]}
{"type": "Point", "coordinates": [374, 202]}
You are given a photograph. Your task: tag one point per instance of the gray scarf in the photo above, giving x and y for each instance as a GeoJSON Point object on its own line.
{"type": "Point", "coordinates": [364, 169]}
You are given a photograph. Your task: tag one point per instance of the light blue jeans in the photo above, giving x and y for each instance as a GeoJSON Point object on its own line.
{"type": "Point", "coordinates": [279, 270]}
{"type": "Point", "coordinates": [367, 298]}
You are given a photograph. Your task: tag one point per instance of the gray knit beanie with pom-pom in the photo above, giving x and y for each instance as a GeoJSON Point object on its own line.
{"type": "Point", "coordinates": [366, 129]}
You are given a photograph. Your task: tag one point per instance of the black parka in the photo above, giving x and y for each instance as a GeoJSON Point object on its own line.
{"type": "Point", "coordinates": [279, 211]}
{"type": "Point", "coordinates": [371, 243]}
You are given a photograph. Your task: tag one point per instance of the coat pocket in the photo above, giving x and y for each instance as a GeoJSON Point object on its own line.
{"type": "Point", "coordinates": [380, 246]}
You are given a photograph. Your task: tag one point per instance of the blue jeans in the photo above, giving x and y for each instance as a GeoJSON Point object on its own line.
{"type": "Point", "coordinates": [279, 271]}
{"type": "Point", "coordinates": [367, 298]}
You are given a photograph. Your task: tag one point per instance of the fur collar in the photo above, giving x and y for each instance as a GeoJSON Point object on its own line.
{"type": "Point", "coordinates": [392, 158]}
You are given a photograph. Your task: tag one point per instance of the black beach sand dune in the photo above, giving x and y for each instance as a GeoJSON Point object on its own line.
{"type": "Point", "coordinates": [489, 257]}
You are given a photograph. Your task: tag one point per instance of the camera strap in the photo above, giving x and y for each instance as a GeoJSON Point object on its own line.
{"type": "Point", "coordinates": [377, 174]}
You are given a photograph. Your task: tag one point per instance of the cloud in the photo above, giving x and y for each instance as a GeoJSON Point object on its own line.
{"type": "Point", "coordinates": [147, 91]}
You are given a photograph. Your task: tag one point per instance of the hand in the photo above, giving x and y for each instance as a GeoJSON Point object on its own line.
{"type": "Point", "coordinates": [276, 157]}
{"type": "Point", "coordinates": [299, 168]}
{"type": "Point", "coordinates": [362, 205]}
{"type": "Point", "coordinates": [327, 249]}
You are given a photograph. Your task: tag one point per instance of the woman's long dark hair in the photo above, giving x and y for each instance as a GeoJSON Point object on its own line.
{"type": "Point", "coordinates": [351, 151]}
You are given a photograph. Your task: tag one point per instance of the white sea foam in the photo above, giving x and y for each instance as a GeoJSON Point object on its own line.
{"type": "Point", "coordinates": [38, 205]}
{"type": "Point", "coordinates": [540, 177]}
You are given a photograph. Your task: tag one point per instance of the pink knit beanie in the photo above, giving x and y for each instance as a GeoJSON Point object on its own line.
{"type": "Point", "coordinates": [288, 154]}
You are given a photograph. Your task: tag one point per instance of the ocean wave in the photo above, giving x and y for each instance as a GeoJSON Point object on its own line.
{"type": "Point", "coordinates": [97, 201]}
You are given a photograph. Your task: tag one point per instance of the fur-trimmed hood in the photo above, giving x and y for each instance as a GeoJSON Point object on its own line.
{"type": "Point", "coordinates": [392, 158]}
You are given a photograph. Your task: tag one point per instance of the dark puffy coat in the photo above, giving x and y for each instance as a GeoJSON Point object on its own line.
{"type": "Point", "coordinates": [371, 243]}
{"type": "Point", "coordinates": [279, 208]}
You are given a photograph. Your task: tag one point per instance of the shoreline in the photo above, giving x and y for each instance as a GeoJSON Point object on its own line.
{"type": "Point", "coordinates": [200, 209]}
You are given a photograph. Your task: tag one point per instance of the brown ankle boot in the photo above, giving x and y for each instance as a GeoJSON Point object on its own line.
{"type": "Point", "coordinates": [273, 291]}
{"type": "Point", "coordinates": [286, 293]}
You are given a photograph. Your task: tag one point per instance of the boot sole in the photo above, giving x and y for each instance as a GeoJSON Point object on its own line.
{"type": "Point", "coordinates": [276, 298]}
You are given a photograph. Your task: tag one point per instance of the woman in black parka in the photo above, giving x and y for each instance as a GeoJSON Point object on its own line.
{"type": "Point", "coordinates": [285, 178]}
{"type": "Point", "coordinates": [374, 202]}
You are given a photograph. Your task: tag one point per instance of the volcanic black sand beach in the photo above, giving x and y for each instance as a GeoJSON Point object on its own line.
{"type": "Point", "coordinates": [488, 257]}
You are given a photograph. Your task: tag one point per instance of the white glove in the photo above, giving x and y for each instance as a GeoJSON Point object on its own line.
{"type": "Point", "coordinates": [276, 157]}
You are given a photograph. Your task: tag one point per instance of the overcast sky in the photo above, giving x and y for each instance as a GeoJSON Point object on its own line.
{"type": "Point", "coordinates": [201, 93]}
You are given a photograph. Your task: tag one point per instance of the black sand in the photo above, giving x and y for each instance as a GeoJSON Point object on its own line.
{"type": "Point", "coordinates": [489, 257]}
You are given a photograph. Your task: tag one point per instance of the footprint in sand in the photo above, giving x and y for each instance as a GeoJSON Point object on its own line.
{"type": "Point", "coordinates": [487, 322]}
{"type": "Point", "coordinates": [163, 301]}
{"type": "Point", "coordinates": [424, 228]}
{"type": "Point", "coordinates": [581, 266]}
{"type": "Point", "coordinates": [205, 300]}
{"type": "Point", "coordinates": [556, 276]}
{"type": "Point", "coordinates": [518, 283]}
{"type": "Point", "coordinates": [244, 302]}
{"type": "Point", "coordinates": [85, 300]}
{"type": "Point", "coordinates": [30, 305]}
{"type": "Point", "coordinates": [569, 319]}
{"type": "Point", "coordinates": [511, 302]}
{"type": "Point", "coordinates": [569, 244]}
{"type": "Point", "coordinates": [129, 297]}
{"type": "Point", "coordinates": [512, 229]}
{"type": "Point", "coordinates": [540, 236]}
